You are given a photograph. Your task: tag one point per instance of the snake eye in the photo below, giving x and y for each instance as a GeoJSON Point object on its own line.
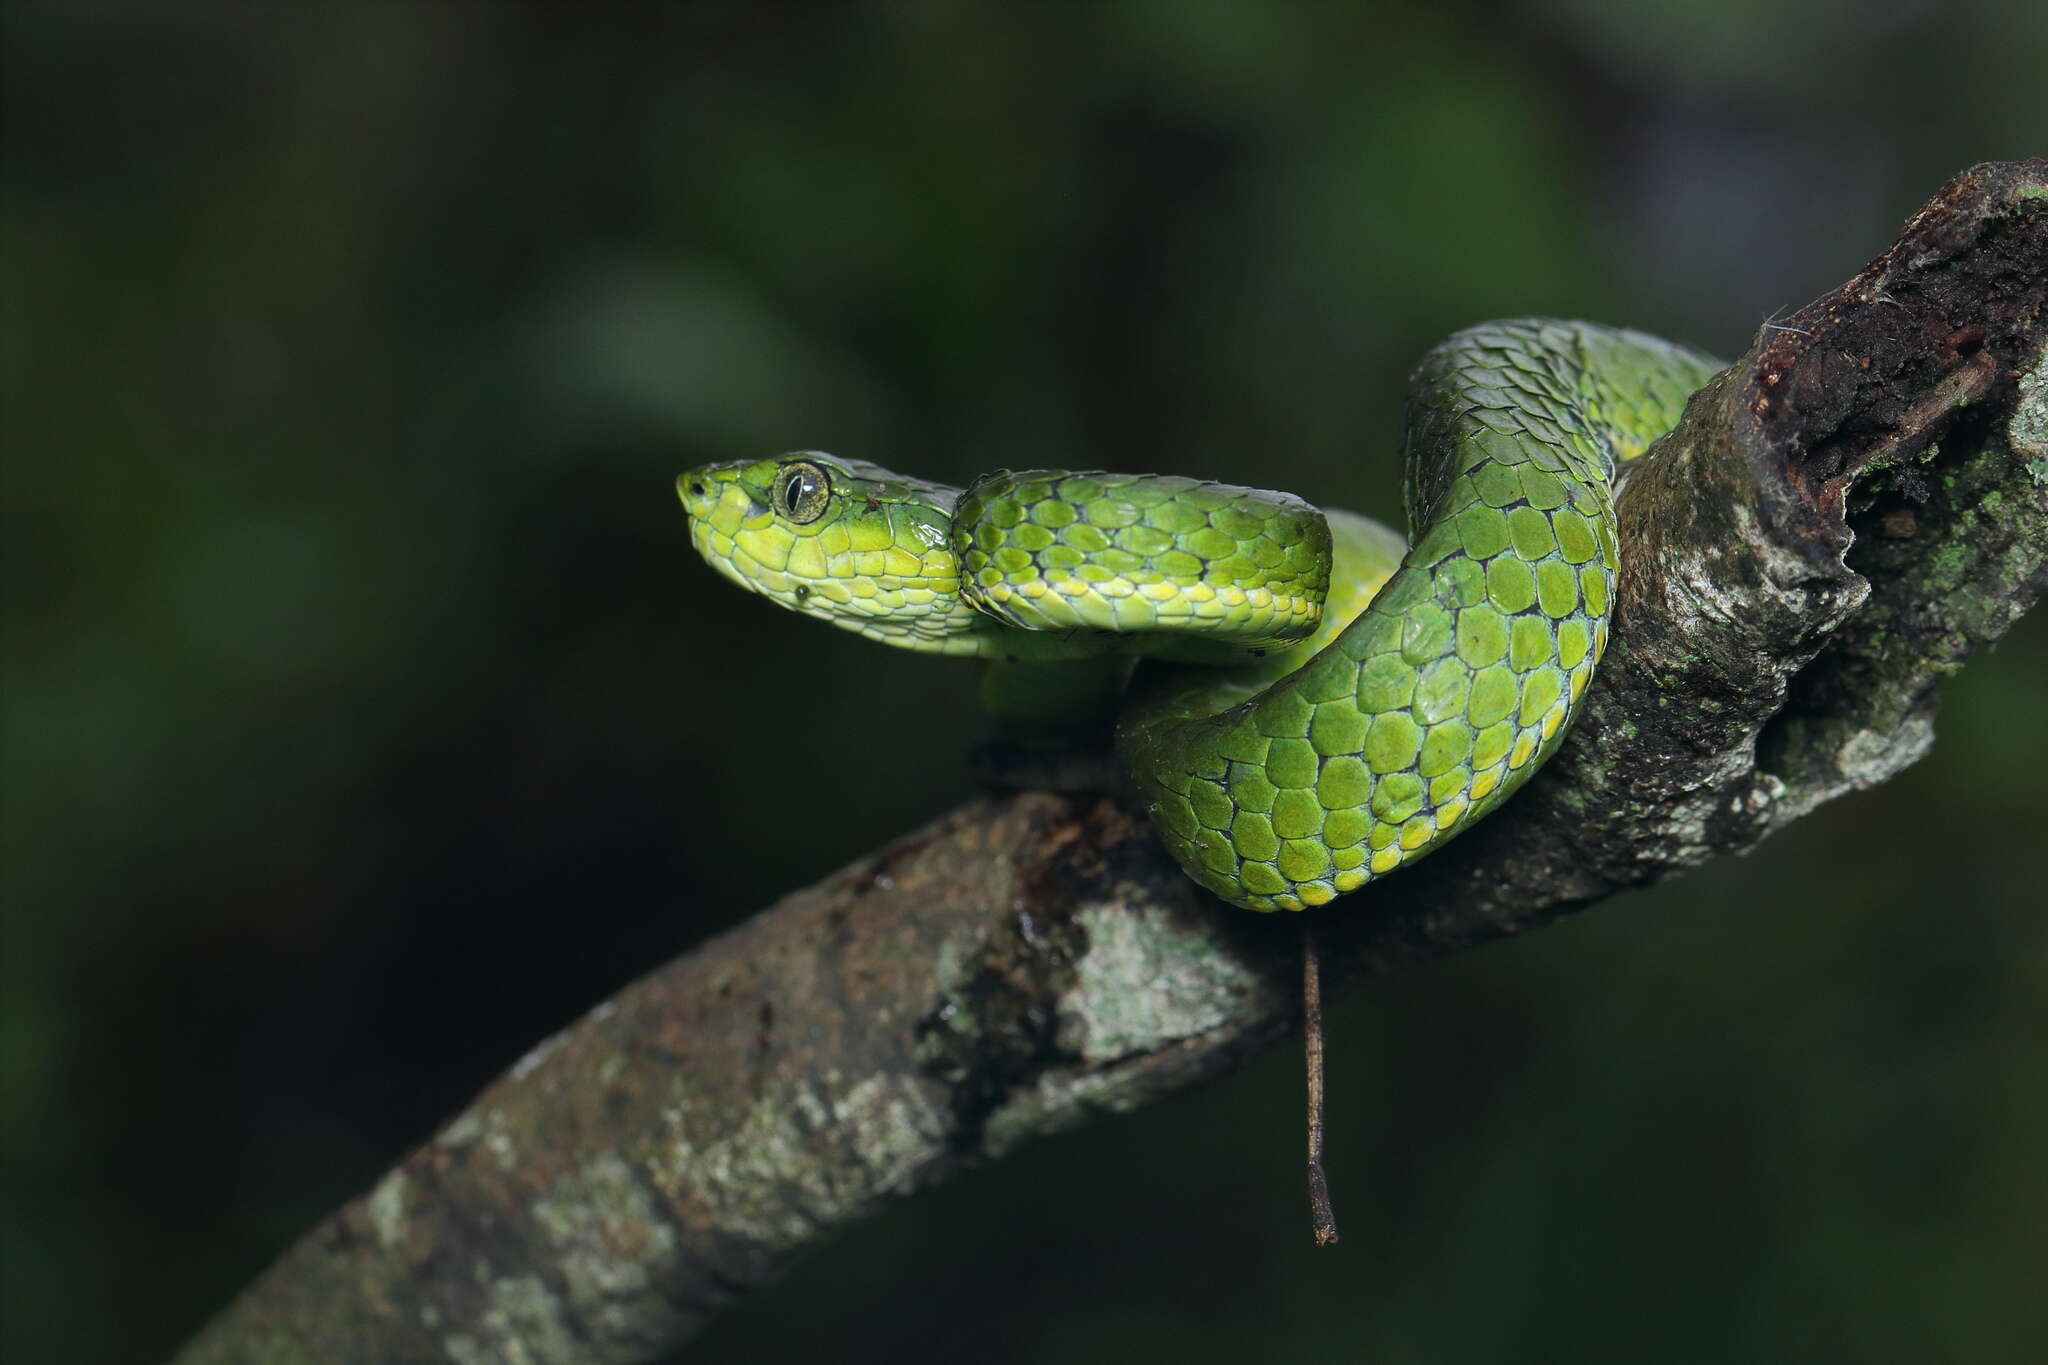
{"type": "Point", "coordinates": [801, 490]}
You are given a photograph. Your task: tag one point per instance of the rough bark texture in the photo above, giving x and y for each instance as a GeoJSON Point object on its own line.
{"type": "Point", "coordinates": [1842, 517]}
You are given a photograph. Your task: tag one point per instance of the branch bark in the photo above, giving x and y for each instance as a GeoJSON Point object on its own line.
{"type": "Point", "coordinates": [1841, 518]}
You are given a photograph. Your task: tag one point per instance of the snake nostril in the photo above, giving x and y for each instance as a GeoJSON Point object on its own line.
{"type": "Point", "coordinates": [696, 488]}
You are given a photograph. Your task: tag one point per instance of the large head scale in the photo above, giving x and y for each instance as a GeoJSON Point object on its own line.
{"type": "Point", "coordinates": [843, 540]}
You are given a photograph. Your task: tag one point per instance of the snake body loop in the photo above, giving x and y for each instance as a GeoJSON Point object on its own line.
{"type": "Point", "coordinates": [1317, 707]}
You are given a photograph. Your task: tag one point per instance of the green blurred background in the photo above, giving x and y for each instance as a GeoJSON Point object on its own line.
{"type": "Point", "coordinates": [367, 716]}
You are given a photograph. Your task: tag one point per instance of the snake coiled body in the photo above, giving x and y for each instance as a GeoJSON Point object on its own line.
{"type": "Point", "coordinates": [1317, 706]}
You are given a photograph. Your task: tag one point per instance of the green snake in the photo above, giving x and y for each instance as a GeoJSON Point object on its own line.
{"type": "Point", "coordinates": [1319, 703]}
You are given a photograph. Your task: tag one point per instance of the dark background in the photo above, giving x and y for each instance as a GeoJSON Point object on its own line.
{"type": "Point", "coordinates": [367, 716]}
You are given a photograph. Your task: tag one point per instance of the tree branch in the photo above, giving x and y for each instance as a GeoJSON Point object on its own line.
{"type": "Point", "coordinates": [1840, 519]}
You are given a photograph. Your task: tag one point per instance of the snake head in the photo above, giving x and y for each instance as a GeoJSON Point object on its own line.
{"type": "Point", "coordinates": [842, 540]}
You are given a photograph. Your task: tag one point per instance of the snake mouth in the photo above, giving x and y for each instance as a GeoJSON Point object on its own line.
{"type": "Point", "coordinates": [738, 562]}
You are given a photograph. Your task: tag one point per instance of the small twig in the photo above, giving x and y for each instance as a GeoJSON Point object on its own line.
{"type": "Point", "coordinates": [1322, 1218]}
